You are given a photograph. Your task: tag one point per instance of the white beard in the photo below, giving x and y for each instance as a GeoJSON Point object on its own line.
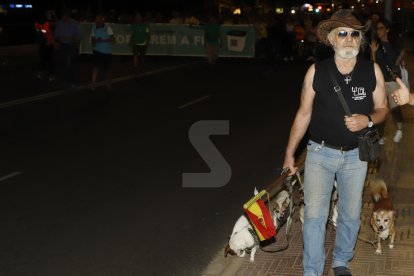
{"type": "Point", "coordinates": [347, 53]}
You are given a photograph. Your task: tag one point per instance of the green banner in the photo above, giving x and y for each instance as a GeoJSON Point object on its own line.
{"type": "Point", "coordinates": [178, 40]}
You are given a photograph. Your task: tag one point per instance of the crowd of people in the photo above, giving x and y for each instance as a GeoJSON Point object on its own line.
{"type": "Point", "coordinates": [278, 37]}
{"type": "Point", "coordinates": [65, 35]}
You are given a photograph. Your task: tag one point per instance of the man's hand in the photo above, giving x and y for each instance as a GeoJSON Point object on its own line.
{"type": "Point", "coordinates": [401, 96]}
{"type": "Point", "coordinates": [356, 122]}
{"type": "Point", "coordinates": [290, 164]}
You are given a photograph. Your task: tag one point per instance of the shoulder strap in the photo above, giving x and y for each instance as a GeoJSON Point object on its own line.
{"type": "Point", "coordinates": [338, 92]}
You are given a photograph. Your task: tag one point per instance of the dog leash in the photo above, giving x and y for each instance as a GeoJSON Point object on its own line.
{"type": "Point", "coordinates": [289, 219]}
{"type": "Point", "coordinates": [373, 243]}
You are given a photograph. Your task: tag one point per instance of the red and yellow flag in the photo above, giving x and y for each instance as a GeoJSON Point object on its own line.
{"type": "Point", "coordinates": [260, 217]}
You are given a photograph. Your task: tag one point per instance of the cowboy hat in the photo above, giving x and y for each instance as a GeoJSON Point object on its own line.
{"type": "Point", "coordinates": [342, 18]}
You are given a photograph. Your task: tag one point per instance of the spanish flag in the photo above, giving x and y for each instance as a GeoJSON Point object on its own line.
{"type": "Point", "coordinates": [260, 217]}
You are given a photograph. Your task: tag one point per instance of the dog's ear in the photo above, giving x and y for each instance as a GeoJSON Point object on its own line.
{"type": "Point", "coordinates": [228, 250]}
{"type": "Point", "coordinates": [374, 215]}
{"type": "Point", "coordinates": [275, 206]}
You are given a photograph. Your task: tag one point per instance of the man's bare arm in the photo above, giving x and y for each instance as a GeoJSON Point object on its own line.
{"type": "Point", "coordinates": [380, 98]}
{"type": "Point", "coordinates": [302, 120]}
{"type": "Point", "coordinates": [357, 122]}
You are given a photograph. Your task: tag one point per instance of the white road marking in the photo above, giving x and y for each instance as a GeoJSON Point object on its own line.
{"type": "Point", "coordinates": [10, 175]}
{"type": "Point", "coordinates": [87, 86]}
{"type": "Point", "coordinates": [194, 101]}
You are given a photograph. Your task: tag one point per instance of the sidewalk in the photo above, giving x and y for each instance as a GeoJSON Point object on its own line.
{"type": "Point", "coordinates": [396, 168]}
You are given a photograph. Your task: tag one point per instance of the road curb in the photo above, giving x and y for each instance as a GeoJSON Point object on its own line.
{"type": "Point", "coordinates": [221, 266]}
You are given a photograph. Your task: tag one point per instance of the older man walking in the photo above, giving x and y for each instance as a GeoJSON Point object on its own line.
{"type": "Point", "coordinates": [332, 151]}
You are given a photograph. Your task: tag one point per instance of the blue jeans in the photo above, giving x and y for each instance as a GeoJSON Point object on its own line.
{"type": "Point", "coordinates": [322, 165]}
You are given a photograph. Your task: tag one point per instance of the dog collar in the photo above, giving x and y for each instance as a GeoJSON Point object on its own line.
{"type": "Point", "coordinates": [254, 234]}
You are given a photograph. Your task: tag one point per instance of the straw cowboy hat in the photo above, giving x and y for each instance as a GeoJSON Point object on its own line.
{"type": "Point", "coordinates": [342, 18]}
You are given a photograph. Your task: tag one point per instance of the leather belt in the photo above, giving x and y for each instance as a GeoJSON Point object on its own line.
{"type": "Point", "coordinates": [341, 148]}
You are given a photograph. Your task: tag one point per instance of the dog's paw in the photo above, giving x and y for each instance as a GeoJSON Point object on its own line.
{"type": "Point", "coordinates": [391, 245]}
{"type": "Point", "coordinates": [378, 252]}
{"type": "Point", "coordinates": [242, 254]}
{"type": "Point", "coordinates": [253, 253]}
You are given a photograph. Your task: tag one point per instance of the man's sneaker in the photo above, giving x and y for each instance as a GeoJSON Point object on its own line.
{"type": "Point", "coordinates": [341, 271]}
{"type": "Point", "coordinates": [398, 136]}
{"type": "Point", "coordinates": [52, 78]}
{"type": "Point", "coordinates": [381, 141]}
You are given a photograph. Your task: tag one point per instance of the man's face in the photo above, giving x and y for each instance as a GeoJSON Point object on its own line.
{"type": "Point", "coordinates": [346, 42]}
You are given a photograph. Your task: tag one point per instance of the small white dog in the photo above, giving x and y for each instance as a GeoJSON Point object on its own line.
{"type": "Point", "coordinates": [241, 240]}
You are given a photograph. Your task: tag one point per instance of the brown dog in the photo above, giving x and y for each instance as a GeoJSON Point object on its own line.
{"type": "Point", "coordinates": [383, 214]}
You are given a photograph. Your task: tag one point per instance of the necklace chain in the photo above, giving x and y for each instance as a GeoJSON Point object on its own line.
{"type": "Point", "coordinates": [348, 77]}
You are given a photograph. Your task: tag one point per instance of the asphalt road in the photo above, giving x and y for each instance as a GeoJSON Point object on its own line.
{"type": "Point", "coordinates": [91, 182]}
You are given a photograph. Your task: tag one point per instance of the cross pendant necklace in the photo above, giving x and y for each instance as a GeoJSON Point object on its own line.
{"type": "Point", "coordinates": [348, 77]}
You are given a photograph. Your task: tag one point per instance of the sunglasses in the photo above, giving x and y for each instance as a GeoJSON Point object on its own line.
{"type": "Point", "coordinates": [354, 34]}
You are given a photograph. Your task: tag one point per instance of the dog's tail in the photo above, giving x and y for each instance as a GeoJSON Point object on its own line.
{"type": "Point", "coordinates": [378, 189]}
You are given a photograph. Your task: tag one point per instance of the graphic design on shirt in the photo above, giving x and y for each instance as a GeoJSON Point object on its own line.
{"type": "Point", "coordinates": [358, 93]}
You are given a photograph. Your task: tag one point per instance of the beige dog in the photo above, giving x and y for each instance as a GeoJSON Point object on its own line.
{"type": "Point", "coordinates": [279, 206]}
{"type": "Point", "coordinates": [383, 214]}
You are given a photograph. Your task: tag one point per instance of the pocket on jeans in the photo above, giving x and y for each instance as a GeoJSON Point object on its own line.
{"type": "Point", "coordinates": [312, 146]}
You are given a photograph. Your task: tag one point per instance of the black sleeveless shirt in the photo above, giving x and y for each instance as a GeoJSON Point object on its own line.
{"type": "Point", "coordinates": [327, 121]}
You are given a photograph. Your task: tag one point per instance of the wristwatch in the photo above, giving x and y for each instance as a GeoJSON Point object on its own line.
{"type": "Point", "coordinates": [370, 122]}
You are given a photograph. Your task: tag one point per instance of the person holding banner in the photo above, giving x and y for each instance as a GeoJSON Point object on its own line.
{"type": "Point", "coordinates": [139, 39]}
{"type": "Point", "coordinates": [212, 38]}
{"type": "Point", "coordinates": [332, 150]}
{"type": "Point", "coordinates": [102, 38]}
